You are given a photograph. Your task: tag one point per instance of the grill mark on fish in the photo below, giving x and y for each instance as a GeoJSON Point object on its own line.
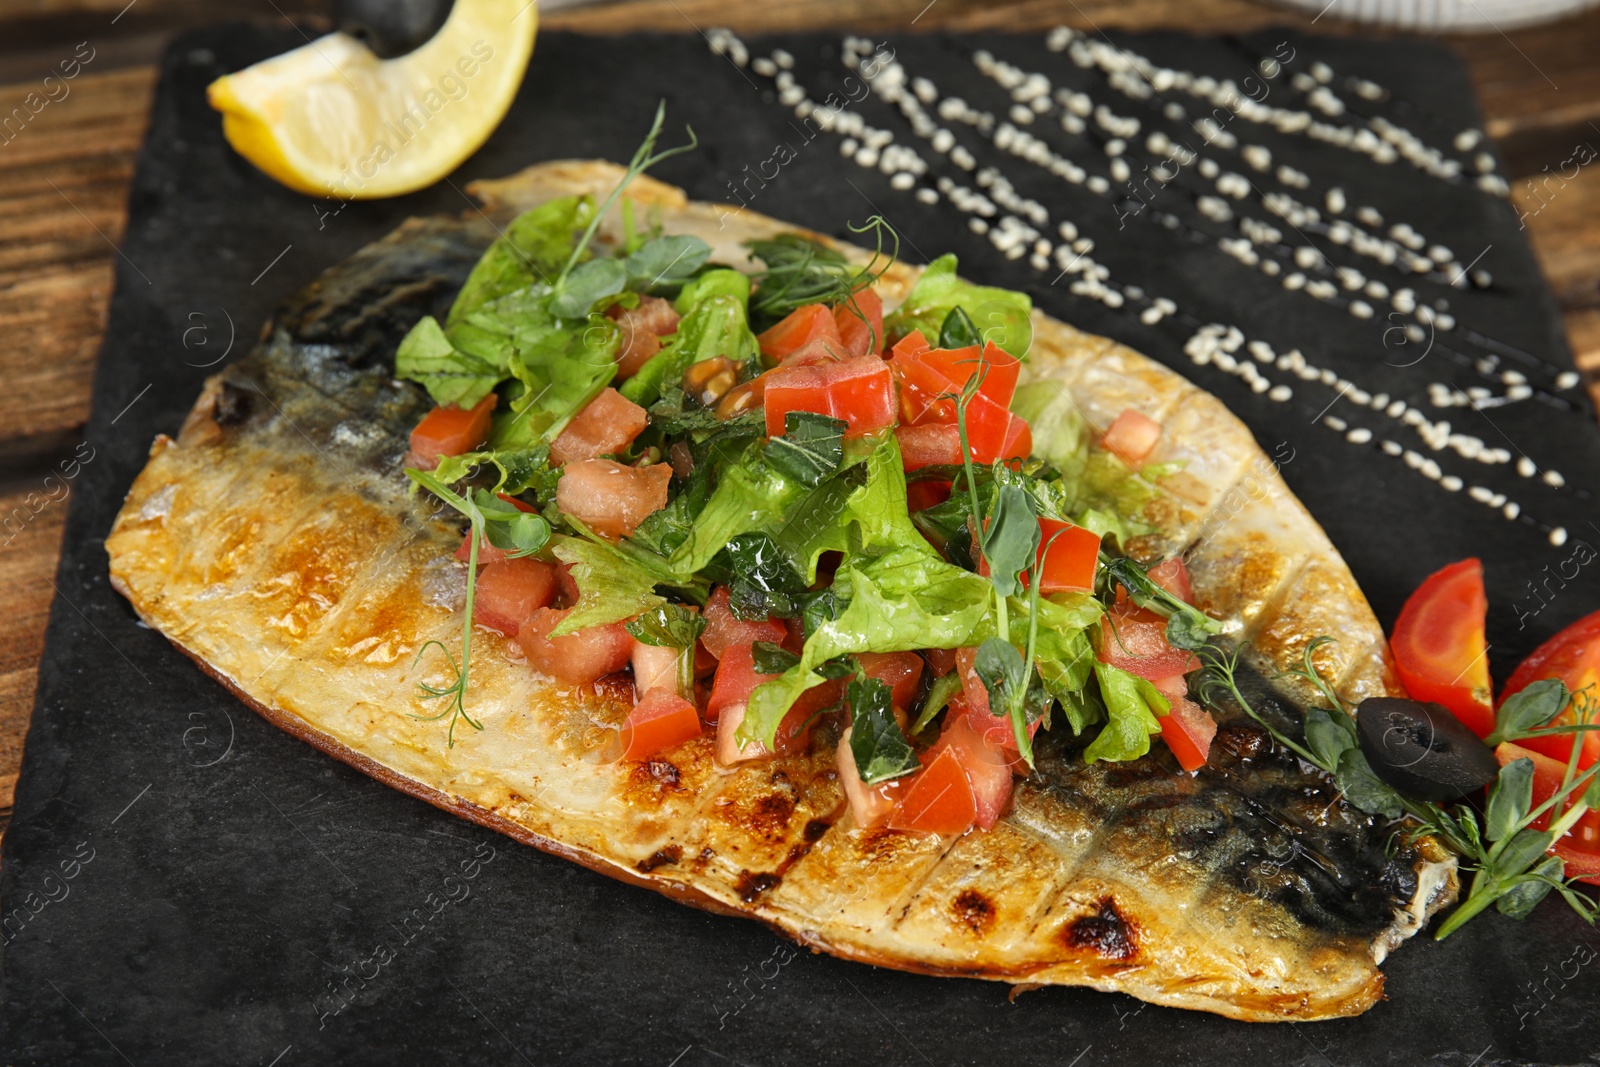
{"type": "Point", "coordinates": [661, 857]}
{"type": "Point", "coordinates": [973, 910]}
{"type": "Point", "coordinates": [1104, 931]}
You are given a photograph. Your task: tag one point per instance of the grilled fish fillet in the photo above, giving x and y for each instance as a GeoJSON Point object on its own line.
{"type": "Point", "coordinates": [274, 542]}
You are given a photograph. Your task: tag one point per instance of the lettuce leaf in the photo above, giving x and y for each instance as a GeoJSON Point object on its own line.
{"type": "Point", "coordinates": [531, 250]}
{"type": "Point", "coordinates": [610, 586]}
{"type": "Point", "coordinates": [904, 600]}
{"type": "Point", "coordinates": [450, 376]}
{"type": "Point", "coordinates": [1132, 705]}
{"type": "Point", "coordinates": [1002, 316]}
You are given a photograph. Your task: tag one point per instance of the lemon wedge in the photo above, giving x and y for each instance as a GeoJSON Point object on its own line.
{"type": "Point", "coordinates": [332, 119]}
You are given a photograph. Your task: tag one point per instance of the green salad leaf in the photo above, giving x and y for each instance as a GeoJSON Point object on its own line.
{"type": "Point", "coordinates": [1132, 706]}
{"type": "Point", "coordinates": [810, 448]}
{"type": "Point", "coordinates": [530, 251]}
{"type": "Point", "coordinates": [450, 375]}
{"type": "Point", "coordinates": [611, 587]}
{"type": "Point", "coordinates": [1000, 316]}
{"type": "Point", "coordinates": [878, 744]}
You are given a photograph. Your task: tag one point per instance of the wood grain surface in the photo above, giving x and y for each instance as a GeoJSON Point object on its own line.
{"type": "Point", "coordinates": [64, 181]}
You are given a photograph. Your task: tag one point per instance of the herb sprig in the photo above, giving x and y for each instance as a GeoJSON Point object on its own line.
{"type": "Point", "coordinates": [1504, 850]}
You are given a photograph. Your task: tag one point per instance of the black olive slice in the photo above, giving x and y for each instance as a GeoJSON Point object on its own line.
{"type": "Point", "coordinates": [1422, 750]}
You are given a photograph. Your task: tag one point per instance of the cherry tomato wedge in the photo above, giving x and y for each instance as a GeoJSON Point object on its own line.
{"type": "Point", "coordinates": [938, 799]}
{"type": "Point", "coordinates": [860, 334]}
{"type": "Point", "coordinates": [450, 431]}
{"type": "Point", "coordinates": [814, 322]}
{"type": "Point", "coordinates": [1438, 643]}
{"type": "Point", "coordinates": [1573, 655]}
{"type": "Point", "coordinates": [860, 391]}
{"type": "Point", "coordinates": [659, 721]}
{"type": "Point", "coordinates": [1580, 847]}
{"type": "Point", "coordinates": [1133, 436]}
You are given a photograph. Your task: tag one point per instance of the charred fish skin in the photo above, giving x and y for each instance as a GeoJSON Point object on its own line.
{"type": "Point", "coordinates": [276, 544]}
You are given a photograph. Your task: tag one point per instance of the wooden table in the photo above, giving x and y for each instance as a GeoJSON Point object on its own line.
{"type": "Point", "coordinates": [64, 185]}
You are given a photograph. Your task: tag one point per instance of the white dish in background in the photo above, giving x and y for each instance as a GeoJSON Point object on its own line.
{"type": "Point", "coordinates": [1446, 15]}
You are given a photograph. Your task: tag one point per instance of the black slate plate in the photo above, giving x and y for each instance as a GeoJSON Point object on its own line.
{"type": "Point", "coordinates": [184, 884]}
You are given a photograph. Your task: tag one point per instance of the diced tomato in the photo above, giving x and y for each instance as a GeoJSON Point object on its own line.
{"type": "Point", "coordinates": [449, 431]}
{"type": "Point", "coordinates": [1439, 648]}
{"type": "Point", "coordinates": [999, 369]}
{"type": "Point", "coordinates": [1173, 576]}
{"type": "Point", "coordinates": [859, 335]}
{"type": "Point", "coordinates": [609, 498]}
{"type": "Point", "coordinates": [1135, 640]}
{"type": "Point", "coordinates": [1132, 436]}
{"type": "Point", "coordinates": [487, 553]}
{"type": "Point", "coordinates": [724, 628]}
{"type": "Point", "coordinates": [642, 329]}
{"type": "Point", "coordinates": [860, 391]}
{"type": "Point", "coordinates": [1580, 847]}
{"type": "Point", "coordinates": [810, 354]}
{"type": "Point", "coordinates": [608, 423]}
{"type": "Point", "coordinates": [814, 322]}
{"type": "Point", "coordinates": [509, 591]}
{"type": "Point", "coordinates": [910, 345]}
{"type": "Point", "coordinates": [993, 433]}
{"type": "Point", "coordinates": [929, 445]}
{"type": "Point", "coordinates": [654, 667]}
{"type": "Point", "coordinates": [735, 679]}
{"type": "Point", "coordinates": [972, 688]}
{"type": "Point", "coordinates": [577, 658]}
{"type": "Point", "coordinates": [659, 721]}
{"type": "Point", "coordinates": [988, 766]}
{"type": "Point", "coordinates": [938, 799]}
{"type": "Point", "coordinates": [941, 661]}
{"type": "Point", "coordinates": [1573, 655]}
{"type": "Point", "coordinates": [869, 804]}
{"type": "Point", "coordinates": [920, 496]}
{"type": "Point", "coordinates": [931, 379]}
{"type": "Point", "coordinates": [1070, 555]}
{"type": "Point", "coordinates": [1188, 728]}
{"type": "Point", "coordinates": [900, 671]}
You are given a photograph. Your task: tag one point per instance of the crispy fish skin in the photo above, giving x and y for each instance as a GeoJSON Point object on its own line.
{"type": "Point", "coordinates": [274, 543]}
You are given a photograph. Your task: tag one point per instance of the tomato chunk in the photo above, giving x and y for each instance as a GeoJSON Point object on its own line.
{"type": "Point", "coordinates": [939, 798]}
{"type": "Point", "coordinates": [941, 661]}
{"type": "Point", "coordinates": [577, 658]}
{"type": "Point", "coordinates": [1135, 640]}
{"type": "Point", "coordinates": [900, 671]}
{"type": "Point", "coordinates": [910, 345]}
{"type": "Point", "coordinates": [723, 628]}
{"type": "Point", "coordinates": [1069, 556]}
{"type": "Point", "coordinates": [1573, 655]}
{"type": "Point", "coordinates": [870, 805]}
{"type": "Point", "coordinates": [814, 322]}
{"type": "Point", "coordinates": [1580, 846]}
{"type": "Point", "coordinates": [920, 496]}
{"type": "Point", "coordinates": [642, 329]}
{"type": "Point", "coordinates": [735, 679]}
{"type": "Point", "coordinates": [857, 334]}
{"type": "Point", "coordinates": [509, 591]}
{"type": "Point", "coordinates": [987, 763]}
{"type": "Point", "coordinates": [1173, 576]}
{"type": "Point", "coordinates": [1439, 648]}
{"type": "Point", "coordinates": [860, 391]}
{"type": "Point", "coordinates": [608, 423]}
{"type": "Point", "coordinates": [659, 721]}
{"type": "Point", "coordinates": [654, 667]}
{"type": "Point", "coordinates": [929, 445]}
{"type": "Point", "coordinates": [931, 378]}
{"type": "Point", "coordinates": [612, 499]}
{"type": "Point", "coordinates": [449, 431]}
{"type": "Point", "coordinates": [994, 433]}
{"type": "Point", "coordinates": [1133, 436]}
{"type": "Point", "coordinates": [1187, 728]}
